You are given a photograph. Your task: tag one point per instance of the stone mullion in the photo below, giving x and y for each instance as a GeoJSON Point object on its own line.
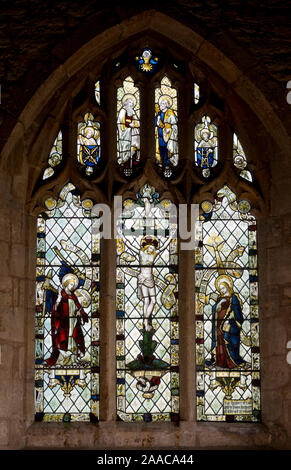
{"type": "Point", "coordinates": [186, 336]}
{"type": "Point", "coordinates": [107, 331]}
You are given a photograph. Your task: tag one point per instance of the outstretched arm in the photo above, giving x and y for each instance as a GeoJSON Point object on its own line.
{"type": "Point", "coordinates": [128, 245]}
{"type": "Point", "coordinates": [167, 243]}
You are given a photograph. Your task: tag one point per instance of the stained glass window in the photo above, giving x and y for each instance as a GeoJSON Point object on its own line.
{"type": "Point", "coordinates": [147, 326]}
{"type": "Point", "coordinates": [128, 126]}
{"type": "Point", "coordinates": [227, 317]}
{"type": "Point", "coordinates": [67, 310]}
{"type": "Point", "coordinates": [89, 143]}
{"type": "Point", "coordinates": [239, 159]}
{"type": "Point", "coordinates": [206, 145]}
{"type": "Point", "coordinates": [166, 123]}
{"type": "Point", "coordinates": [147, 329]}
{"type": "Point", "coordinates": [55, 157]}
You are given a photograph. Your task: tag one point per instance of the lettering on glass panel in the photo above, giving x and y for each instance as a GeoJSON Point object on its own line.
{"type": "Point", "coordinates": [227, 319]}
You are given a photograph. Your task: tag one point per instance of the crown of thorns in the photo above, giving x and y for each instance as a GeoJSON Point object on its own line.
{"type": "Point", "coordinates": [149, 241]}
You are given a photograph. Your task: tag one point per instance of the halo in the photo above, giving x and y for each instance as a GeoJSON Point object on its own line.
{"type": "Point", "coordinates": [129, 96]}
{"type": "Point", "coordinates": [205, 130]}
{"type": "Point", "coordinates": [71, 277]}
{"type": "Point", "coordinates": [167, 98]}
{"type": "Point", "coordinates": [224, 278]}
{"type": "Point", "coordinates": [88, 128]}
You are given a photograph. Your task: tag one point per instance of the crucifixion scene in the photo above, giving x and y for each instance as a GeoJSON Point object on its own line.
{"type": "Point", "coordinates": [147, 254]}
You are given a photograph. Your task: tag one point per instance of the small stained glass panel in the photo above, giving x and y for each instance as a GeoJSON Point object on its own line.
{"type": "Point", "coordinates": [196, 93]}
{"type": "Point", "coordinates": [166, 127]}
{"type": "Point", "coordinates": [239, 159]}
{"type": "Point", "coordinates": [147, 327]}
{"type": "Point", "coordinates": [147, 62]}
{"type": "Point", "coordinates": [97, 92]}
{"type": "Point", "coordinates": [128, 127]}
{"type": "Point", "coordinates": [206, 145]}
{"type": "Point", "coordinates": [227, 319]}
{"type": "Point", "coordinates": [55, 157]}
{"type": "Point", "coordinates": [67, 311]}
{"type": "Point", "coordinates": [89, 143]}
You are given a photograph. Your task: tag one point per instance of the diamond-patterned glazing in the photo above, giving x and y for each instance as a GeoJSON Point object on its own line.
{"type": "Point", "coordinates": [147, 332]}
{"type": "Point", "coordinates": [227, 328]}
{"type": "Point", "coordinates": [67, 311]}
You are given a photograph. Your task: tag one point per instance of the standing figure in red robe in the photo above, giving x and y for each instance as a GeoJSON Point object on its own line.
{"type": "Point", "coordinates": [68, 343]}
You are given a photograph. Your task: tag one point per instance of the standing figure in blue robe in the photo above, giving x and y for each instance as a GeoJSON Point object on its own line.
{"type": "Point", "coordinates": [166, 133]}
{"type": "Point", "coordinates": [227, 320]}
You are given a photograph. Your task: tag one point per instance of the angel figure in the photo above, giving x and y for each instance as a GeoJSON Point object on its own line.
{"type": "Point", "coordinates": [206, 145]}
{"type": "Point", "coordinates": [89, 143]}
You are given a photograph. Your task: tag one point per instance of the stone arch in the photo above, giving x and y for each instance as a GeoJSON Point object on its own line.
{"type": "Point", "coordinates": [19, 145]}
{"type": "Point", "coordinates": [235, 81]}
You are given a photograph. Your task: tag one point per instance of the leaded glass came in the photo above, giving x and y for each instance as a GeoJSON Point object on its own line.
{"type": "Point", "coordinates": [239, 159]}
{"type": "Point", "coordinates": [128, 127]}
{"type": "Point", "coordinates": [89, 143]}
{"type": "Point", "coordinates": [166, 124]}
{"type": "Point", "coordinates": [206, 145]}
{"type": "Point", "coordinates": [227, 317]}
{"type": "Point", "coordinates": [67, 311]}
{"type": "Point", "coordinates": [55, 157]}
{"type": "Point", "coordinates": [147, 124]}
{"type": "Point", "coordinates": [147, 328]}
